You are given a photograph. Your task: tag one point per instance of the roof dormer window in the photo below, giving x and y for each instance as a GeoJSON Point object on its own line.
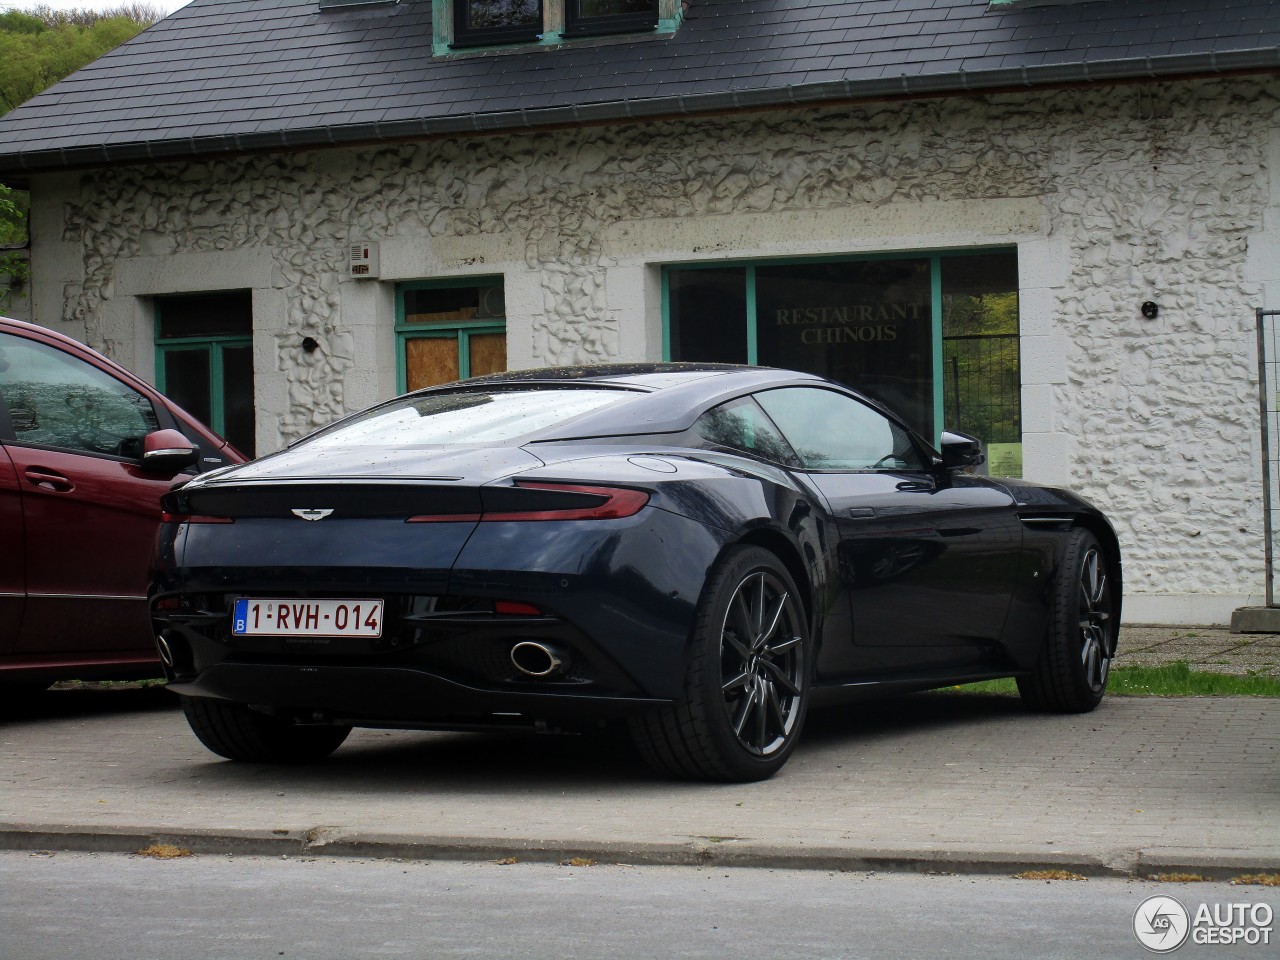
{"type": "Point", "coordinates": [477, 22]}
{"type": "Point", "coordinates": [609, 16]}
{"type": "Point", "coordinates": [464, 25]}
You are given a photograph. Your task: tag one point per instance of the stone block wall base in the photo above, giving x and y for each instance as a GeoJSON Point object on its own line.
{"type": "Point", "coordinates": [1255, 620]}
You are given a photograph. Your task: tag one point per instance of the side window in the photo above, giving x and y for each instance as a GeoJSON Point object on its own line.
{"type": "Point", "coordinates": [742, 425]}
{"type": "Point", "coordinates": [831, 431]}
{"type": "Point", "coordinates": [56, 400]}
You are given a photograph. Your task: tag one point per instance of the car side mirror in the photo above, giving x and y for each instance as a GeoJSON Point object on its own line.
{"type": "Point", "coordinates": [961, 450]}
{"type": "Point", "coordinates": [167, 451]}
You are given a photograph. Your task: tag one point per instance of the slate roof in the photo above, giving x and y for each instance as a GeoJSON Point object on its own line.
{"type": "Point", "coordinates": [232, 75]}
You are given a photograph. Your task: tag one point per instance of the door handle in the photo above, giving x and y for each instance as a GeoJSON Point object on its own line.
{"type": "Point", "coordinates": [860, 513]}
{"type": "Point", "coordinates": [49, 480]}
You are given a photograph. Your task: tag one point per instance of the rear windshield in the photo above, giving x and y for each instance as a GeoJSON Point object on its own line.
{"type": "Point", "coordinates": [467, 417]}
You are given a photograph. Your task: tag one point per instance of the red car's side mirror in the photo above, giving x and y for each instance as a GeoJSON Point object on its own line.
{"type": "Point", "coordinates": [168, 451]}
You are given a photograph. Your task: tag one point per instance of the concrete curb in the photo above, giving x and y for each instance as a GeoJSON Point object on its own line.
{"type": "Point", "coordinates": [696, 852]}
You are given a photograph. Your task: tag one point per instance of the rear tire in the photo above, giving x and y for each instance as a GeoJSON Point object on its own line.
{"type": "Point", "coordinates": [234, 731]}
{"type": "Point", "coordinates": [1071, 675]}
{"type": "Point", "coordinates": [747, 687]}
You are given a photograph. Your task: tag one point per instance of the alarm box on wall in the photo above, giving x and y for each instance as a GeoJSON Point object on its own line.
{"type": "Point", "coordinates": [362, 259]}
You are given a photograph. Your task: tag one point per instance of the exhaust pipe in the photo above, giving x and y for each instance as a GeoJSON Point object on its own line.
{"type": "Point", "coordinates": [535, 659]}
{"type": "Point", "coordinates": [166, 653]}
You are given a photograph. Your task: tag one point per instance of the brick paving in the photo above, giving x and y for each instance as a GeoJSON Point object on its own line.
{"type": "Point", "coordinates": [1204, 648]}
{"type": "Point", "coordinates": [929, 781]}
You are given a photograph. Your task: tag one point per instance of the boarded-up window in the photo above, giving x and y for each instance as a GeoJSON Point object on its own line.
{"type": "Point", "coordinates": [450, 330]}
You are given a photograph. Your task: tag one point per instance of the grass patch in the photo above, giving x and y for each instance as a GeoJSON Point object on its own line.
{"type": "Point", "coordinates": [1047, 875]}
{"type": "Point", "coordinates": [164, 851]}
{"type": "Point", "coordinates": [1258, 880]}
{"type": "Point", "coordinates": [1169, 680]}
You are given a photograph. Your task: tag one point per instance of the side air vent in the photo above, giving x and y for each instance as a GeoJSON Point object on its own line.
{"type": "Point", "coordinates": [1046, 523]}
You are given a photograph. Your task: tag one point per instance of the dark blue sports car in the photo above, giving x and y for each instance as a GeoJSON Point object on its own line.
{"type": "Point", "coordinates": [700, 551]}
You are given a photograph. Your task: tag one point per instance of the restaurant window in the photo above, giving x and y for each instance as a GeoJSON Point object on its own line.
{"type": "Point", "coordinates": [934, 337]}
{"type": "Point", "coordinates": [204, 360]}
{"type": "Point", "coordinates": [981, 376]}
{"type": "Point", "coordinates": [449, 330]}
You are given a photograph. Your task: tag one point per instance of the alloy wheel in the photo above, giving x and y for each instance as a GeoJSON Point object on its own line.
{"type": "Point", "coordinates": [762, 663]}
{"type": "Point", "coordinates": [1097, 632]}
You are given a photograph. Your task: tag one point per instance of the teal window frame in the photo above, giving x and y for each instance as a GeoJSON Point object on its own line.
{"type": "Point", "coordinates": [213, 345]}
{"type": "Point", "coordinates": [935, 258]}
{"type": "Point", "coordinates": [464, 330]}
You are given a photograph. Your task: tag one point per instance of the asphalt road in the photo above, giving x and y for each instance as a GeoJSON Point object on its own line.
{"type": "Point", "coordinates": [111, 907]}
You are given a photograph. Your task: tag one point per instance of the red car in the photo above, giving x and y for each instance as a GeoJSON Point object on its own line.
{"type": "Point", "coordinates": [86, 451]}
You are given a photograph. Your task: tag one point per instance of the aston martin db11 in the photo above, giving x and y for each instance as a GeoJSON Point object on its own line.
{"type": "Point", "coordinates": [700, 552]}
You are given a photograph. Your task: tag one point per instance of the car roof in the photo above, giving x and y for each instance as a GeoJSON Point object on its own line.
{"type": "Point", "coordinates": [650, 376]}
{"type": "Point", "coordinates": [667, 398]}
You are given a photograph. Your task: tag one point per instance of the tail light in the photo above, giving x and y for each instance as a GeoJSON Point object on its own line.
{"type": "Point", "coordinates": [612, 503]}
{"type": "Point", "coordinates": [535, 500]}
{"type": "Point", "coordinates": [167, 517]}
{"type": "Point", "coordinates": [516, 608]}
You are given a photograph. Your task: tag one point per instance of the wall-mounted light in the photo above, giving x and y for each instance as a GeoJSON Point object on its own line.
{"type": "Point", "coordinates": [1151, 310]}
{"type": "Point", "coordinates": [311, 344]}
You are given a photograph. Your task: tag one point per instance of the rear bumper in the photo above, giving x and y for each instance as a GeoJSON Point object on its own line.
{"type": "Point", "coordinates": [617, 598]}
{"type": "Point", "coordinates": [398, 696]}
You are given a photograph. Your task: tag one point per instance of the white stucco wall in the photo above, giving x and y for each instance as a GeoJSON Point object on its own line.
{"type": "Point", "coordinates": [1113, 196]}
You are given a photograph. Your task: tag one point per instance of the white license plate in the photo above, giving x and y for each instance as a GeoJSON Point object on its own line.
{"type": "Point", "coordinates": [307, 618]}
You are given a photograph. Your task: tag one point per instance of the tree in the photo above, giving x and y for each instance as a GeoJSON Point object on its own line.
{"type": "Point", "coordinates": [39, 48]}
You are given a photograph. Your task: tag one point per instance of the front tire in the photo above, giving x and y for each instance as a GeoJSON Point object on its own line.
{"type": "Point", "coordinates": [234, 731]}
{"type": "Point", "coordinates": [1071, 675]}
{"type": "Point", "coordinates": [747, 687]}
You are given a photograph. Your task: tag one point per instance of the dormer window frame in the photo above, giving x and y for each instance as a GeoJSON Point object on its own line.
{"type": "Point", "coordinates": [578, 24]}
{"type": "Point", "coordinates": [465, 35]}
{"type": "Point", "coordinates": [451, 38]}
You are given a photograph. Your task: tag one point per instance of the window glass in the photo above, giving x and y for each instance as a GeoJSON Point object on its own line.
{"type": "Point", "coordinates": [204, 359]}
{"type": "Point", "coordinates": [447, 304]}
{"type": "Point", "coordinates": [981, 371]}
{"type": "Point", "coordinates": [742, 425]}
{"type": "Point", "coordinates": [56, 400]}
{"type": "Point", "coordinates": [205, 314]}
{"type": "Point", "coordinates": [188, 381]}
{"type": "Point", "coordinates": [830, 431]}
{"type": "Point", "coordinates": [486, 416]}
{"type": "Point", "coordinates": [237, 397]}
{"type": "Point", "coordinates": [607, 16]}
{"type": "Point", "coordinates": [932, 337]}
{"type": "Point", "coordinates": [708, 315]}
{"type": "Point", "coordinates": [483, 14]}
{"type": "Point", "coordinates": [612, 8]}
{"type": "Point", "coordinates": [496, 21]}
{"type": "Point", "coordinates": [867, 324]}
